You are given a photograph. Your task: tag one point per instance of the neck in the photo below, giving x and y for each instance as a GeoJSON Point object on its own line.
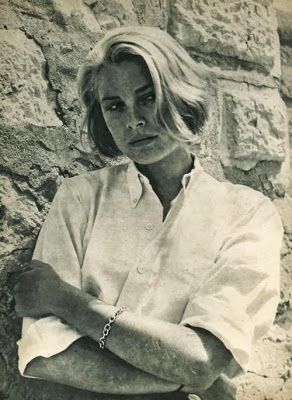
{"type": "Point", "coordinates": [165, 175]}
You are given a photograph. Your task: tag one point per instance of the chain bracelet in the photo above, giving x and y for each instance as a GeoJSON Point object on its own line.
{"type": "Point", "coordinates": [108, 326]}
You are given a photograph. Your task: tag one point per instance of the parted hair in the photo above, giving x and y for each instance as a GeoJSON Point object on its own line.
{"type": "Point", "coordinates": [179, 86]}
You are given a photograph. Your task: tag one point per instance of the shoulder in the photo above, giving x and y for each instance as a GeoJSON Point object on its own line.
{"type": "Point", "coordinates": [235, 201]}
{"type": "Point", "coordinates": [245, 196]}
{"type": "Point", "coordinates": [87, 186]}
{"type": "Point", "coordinates": [226, 190]}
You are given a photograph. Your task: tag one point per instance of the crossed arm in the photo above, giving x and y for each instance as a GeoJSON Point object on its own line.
{"type": "Point", "coordinates": [142, 355]}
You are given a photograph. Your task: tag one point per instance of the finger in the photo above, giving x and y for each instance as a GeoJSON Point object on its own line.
{"type": "Point", "coordinates": [15, 282]}
{"type": "Point", "coordinates": [25, 281]}
{"type": "Point", "coordinates": [20, 285]}
{"type": "Point", "coordinates": [19, 311]}
{"type": "Point", "coordinates": [16, 288]}
{"type": "Point", "coordinates": [21, 282]}
{"type": "Point", "coordinates": [28, 266]}
{"type": "Point", "coordinates": [20, 293]}
{"type": "Point", "coordinates": [31, 265]}
{"type": "Point", "coordinates": [18, 298]}
{"type": "Point", "coordinates": [29, 272]}
{"type": "Point", "coordinates": [19, 277]}
{"type": "Point", "coordinates": [38, 264]}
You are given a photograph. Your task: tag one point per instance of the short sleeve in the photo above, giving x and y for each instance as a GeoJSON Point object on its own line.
{"type": "Point", "coordinates": [237, 300]}
{"type": "Point", "coordinates": [60, 245]}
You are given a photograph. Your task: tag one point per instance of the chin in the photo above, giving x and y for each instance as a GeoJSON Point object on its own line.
{"type": "Point", "coordinates": [152, 154]}
{"type": "Point", "coordinates": [147, 160]}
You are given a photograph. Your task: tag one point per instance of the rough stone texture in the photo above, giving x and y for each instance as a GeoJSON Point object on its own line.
{"type": "Point", "coordinates": [284, 15]}
{"type": "Point", "coordinates": [76, 9]}
{"type": "Point", "coordinates": [289, 113]}
{"type": "Point", "coordinates": [14, 207]}
{"type": "Point", "coordinates": [113, 13]}
{"type": "Point", "coordinates": [271, 368]}
{"type": "Point", "coordinates": [244, 30]}
{"type": "Point", "coordinates": [8, 17]}
{"type": "Point", "coordinates": [44, 42]}
{"type": "Point", "coordinates": [152, 13]}
{"type": "Point", "coordinates": [287, 81]}
{"type": "Point", "coordinates": [286, 68]}
{"type": "Point", "coordinates": [22, 82]}
{"type": "Point", "coordinates": [254, 126]}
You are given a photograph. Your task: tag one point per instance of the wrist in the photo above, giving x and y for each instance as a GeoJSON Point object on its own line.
{"type": "Point", "coordinates": [83, 311]}
{"type": "Point", "coordinates": [108, 326]}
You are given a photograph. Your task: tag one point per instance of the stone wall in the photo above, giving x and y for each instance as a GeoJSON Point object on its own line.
{"type": "Point", "coordinates": [245, 141]}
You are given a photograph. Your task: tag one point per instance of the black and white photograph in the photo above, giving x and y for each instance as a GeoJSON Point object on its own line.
{"type": "Point", "coordinates": [145, 200]}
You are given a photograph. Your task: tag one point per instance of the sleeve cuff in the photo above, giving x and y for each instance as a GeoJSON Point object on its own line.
{"type": "Point", "coordinates": [225, 332]}
{"type": "Point", "coordinates": [45, 338]}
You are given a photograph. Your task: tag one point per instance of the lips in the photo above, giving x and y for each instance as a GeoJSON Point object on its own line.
{"type": "Point", "coordinates": [142, 140]}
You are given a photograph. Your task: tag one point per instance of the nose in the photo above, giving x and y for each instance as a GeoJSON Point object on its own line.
{"type": "Point", "coordinates": [136, 124]}
{"type": "Point", "coordinates": [135, 120]}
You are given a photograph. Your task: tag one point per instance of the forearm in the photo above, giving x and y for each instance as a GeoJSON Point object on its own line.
{"type": "Point", "coordinates": [219, 387]}
{"type": "Point", "coordinates": [168, 351]}
{"type": "Point", "coordinates": [84, 366]}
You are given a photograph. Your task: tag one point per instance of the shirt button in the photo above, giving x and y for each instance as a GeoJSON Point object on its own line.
{"type": "Point", "coordinates": [140, 269]}
{"type": "Point", "coordinates": [149, 227]}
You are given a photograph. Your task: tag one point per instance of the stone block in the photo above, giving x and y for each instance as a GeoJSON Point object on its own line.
{"type": "Point", "coordinates": [286, 71]}
{"type": "Point", "coordinates": [285, 307]}
{"type": "Point", "coordinates": [23, 85]}
{"type": "Point", "coordinates": [20, 217]}
{"type": "Point", "coordinates": [151, 12]}
{"type": "Point", "coordinates": [254, 127]}
{"type": "Point", "coordinates": [8, 17]}
{"type": "Point", "coordinates": [271, 355]}
{"type": "Point", "coordinates": [114, 13]}
{"type": "Point", "coordinates": [76, 10]}
{"type": "Point", "coordinates": [35, 153]}
{"type": "Point", "coordinates": [285, 26]}
{"type": "Point", "coordinates": [286, 55]}
{"type": "Point", "coordinates": [284, 207]}
{"type": "Point", "coordinates": [244, 30]}
{"type": "Point", "coordinates": [284, 16]}
{"type": "Point", "coordinates": [255, 387]}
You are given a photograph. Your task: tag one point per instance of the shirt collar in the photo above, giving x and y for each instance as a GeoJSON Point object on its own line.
{"type": "Point", "coordinates": [136, 180]}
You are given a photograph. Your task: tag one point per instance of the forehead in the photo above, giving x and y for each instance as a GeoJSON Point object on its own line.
{"type": "Point", "coordinates": [122, 78]}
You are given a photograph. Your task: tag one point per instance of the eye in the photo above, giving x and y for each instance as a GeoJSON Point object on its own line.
{"type": "Point", "coordinates": [148, 98]}
{"type": "Point", "coordinates": [116, 106]}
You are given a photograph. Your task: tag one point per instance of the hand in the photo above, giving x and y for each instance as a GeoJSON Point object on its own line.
{"type": "Point", "coordinates": [38, 291]}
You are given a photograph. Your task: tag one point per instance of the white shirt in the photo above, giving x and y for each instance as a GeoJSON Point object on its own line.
{"type": "Point", "coordinates": [213, 263]}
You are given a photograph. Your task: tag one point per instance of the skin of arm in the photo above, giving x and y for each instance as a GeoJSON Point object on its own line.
{"type": "Point", "coordinates": [171, 352]}
{"type": "Point", "coordinates": [84, 366]}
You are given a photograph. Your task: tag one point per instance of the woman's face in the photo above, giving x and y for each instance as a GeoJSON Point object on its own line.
{"type": "Point", "coordinates": [127, 101]}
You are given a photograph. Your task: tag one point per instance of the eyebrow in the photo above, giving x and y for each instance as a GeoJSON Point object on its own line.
{"type": "Point", "coordinates": [137, 91]}
{"type": "Point", "coordinates": [145, 87]}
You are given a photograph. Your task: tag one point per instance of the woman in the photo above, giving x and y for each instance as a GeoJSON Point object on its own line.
{"type": "Point", "coordinates": [149, 277]}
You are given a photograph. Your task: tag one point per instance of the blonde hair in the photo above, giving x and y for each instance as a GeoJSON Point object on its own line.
{"type": "Point", "coordinates": [180, 91]}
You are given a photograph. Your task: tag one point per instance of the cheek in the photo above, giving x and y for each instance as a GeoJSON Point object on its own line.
{"type": "Point", "coordinates": [115, 127]}
{"type": "Point", "coordinates": [150, 115]}
{"type": "Point", "coordinates": [114, 119]}
{"type": "Point", "coordinates": [108, 120]}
